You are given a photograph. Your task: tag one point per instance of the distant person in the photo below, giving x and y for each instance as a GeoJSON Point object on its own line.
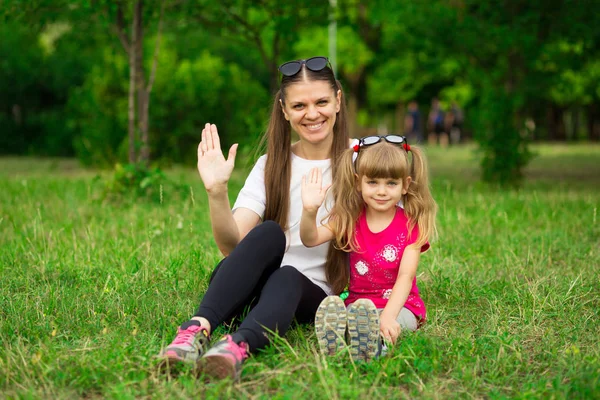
{"type": "Point", "coordinates": [383, 241]}
{"type": "Point", "coordinates": [266, 268]}
{"type": "Point", "coordinates": [457, 123]}
{"type": "Point", "coordinates": [435, 125]}
{"type": "Point", "coordinates": [448, 123]}
{"type": "Point", "coordinates": [412, 123]}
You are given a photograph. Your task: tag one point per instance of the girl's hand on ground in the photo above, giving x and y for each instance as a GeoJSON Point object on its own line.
{"type": "Point", "coordinates": [214, 169]}
{"type": "Point", "coordinates": [390, 329]}
{"type": "Point", "coordinates": [313, 192]}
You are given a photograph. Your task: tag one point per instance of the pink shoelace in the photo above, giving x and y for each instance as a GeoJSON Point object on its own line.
{"type": "Point", "coordinates": [240, 351]}
{"type": "Point", "coordinates": [186, 336]}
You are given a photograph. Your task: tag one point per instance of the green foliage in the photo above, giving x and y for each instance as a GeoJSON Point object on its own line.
{"type": "Point", "coordinates": [132, 182]}
{"type": "Point", "coordinates": [353, 53]}
{"type": "Point", "coordinates": [190, 93]}
{"type": "Point", "coordinates": [186, 94]}
{"type": "Point", "coordinates": [20, 82]}
{"type": "Point", "coordinates": [98, 112]}
{"type": "Point", "coordinates": [64, 73]}
{"type": "Point", "coordinates": [504, 147]}
{"type": "Point", "coordinates": [36, 82]}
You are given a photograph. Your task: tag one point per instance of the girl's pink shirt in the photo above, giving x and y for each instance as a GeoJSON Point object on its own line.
{"type": "Point", "coordinates": [374, 268]}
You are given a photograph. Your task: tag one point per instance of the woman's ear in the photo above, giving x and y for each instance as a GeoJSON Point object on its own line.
{"type": "Point", "coordinates": [339, 101]}
{"type": "Point", "coordinates": [406, 184]}
{"type": "Point", "coordinates": [287, 118]}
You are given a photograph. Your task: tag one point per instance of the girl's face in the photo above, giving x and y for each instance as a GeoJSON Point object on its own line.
{"type": "Point", "coordinates": [382, 194]}
{"type": "Point", "coordinates": [311, 108]}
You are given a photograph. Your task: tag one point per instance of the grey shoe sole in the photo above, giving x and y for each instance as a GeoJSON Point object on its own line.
{"type": "Point", "coordinates": [363, 330]}
{"type": "Point", "coordinates": [330, 325]}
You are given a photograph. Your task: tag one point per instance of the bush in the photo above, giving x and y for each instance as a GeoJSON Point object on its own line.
{"type": "Point", "coordinates": [131, 182]}
{"type": "Point", "coordinates": [505, 150]}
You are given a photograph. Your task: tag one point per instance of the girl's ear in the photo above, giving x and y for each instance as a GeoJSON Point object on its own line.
{"type": "Point", "coordinates": [406, 184]}
{"type": "Point", "coordinates": [357, 182]}
{"type": "Point", "coordinates": [339, 101]}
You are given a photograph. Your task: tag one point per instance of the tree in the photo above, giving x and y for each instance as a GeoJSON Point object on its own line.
{"type": "Point", "coordinates": [498, 49]}
{"type": "Point", "coordinates": [269, 26]}
{"type": "Point", "coordinates": [138, 84]}
{"type": "Point", "coordinates": [109, 16]}
{"type": "Point", "coordinates": [353, 58]}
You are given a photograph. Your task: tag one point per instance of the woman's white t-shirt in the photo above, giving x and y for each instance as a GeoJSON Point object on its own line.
{"type": "Point", "coordinates": [309, 261]}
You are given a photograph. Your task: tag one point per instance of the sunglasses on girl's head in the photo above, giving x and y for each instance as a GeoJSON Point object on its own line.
{"type": "Point", "coordinates": [315, 64]}
{"type": "Point", "coordinates": [371, 140]}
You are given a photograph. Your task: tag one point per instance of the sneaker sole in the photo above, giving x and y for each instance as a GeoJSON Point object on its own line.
{"type": "Point", "coordinates": [330, 325]}
{"type": "Point", "coordinates": [363, 329]}
{"type": "Point", "coordinates": [216, 367]}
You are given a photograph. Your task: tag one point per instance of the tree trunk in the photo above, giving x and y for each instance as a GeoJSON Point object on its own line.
{"type": "Point", "coordinates": [556, 124]}
{"type": "Point", "coordinates": [138, 49]}
{"type": "Point", "coordinates": [575, 116]}
{"type": "Point", "coordinates": [354, 130]}
{"type": "Point", "coordinates": [593, 123]}
{"type": "Point", "coordinates": [131, 97]}
{"type": "Point", "coordinates": [400, 118]}
{"type": "Point", "coordinates": [274, 77]}
{"type": "Point", "coordinates": [353, 116]}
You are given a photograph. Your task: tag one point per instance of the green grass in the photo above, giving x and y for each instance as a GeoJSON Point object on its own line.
{"type": "Point", "coordinates": [91, 291]}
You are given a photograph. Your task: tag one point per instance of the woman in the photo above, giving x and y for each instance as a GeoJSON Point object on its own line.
{"type": "Point", "coordinates": [266, 266]}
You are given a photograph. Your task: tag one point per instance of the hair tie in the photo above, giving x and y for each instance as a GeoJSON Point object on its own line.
{"type": "Point", "coordinates": [406, 147]}
{"type": "Point", "coordinates": [355, 146]}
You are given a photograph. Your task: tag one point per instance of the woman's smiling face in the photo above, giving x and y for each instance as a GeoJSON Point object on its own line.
{"type": "Point", "coordinates": [311, 108]}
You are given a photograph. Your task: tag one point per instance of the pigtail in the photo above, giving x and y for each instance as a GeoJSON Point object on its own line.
{"type": "Point", "coordinates": [343, 216]}
{"type": "Point", "coordinates": [419, 204]}
{"type": "Point", "coordinates": [348, 203]}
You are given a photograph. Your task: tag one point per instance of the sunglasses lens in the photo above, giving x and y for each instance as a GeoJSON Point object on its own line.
{"type": "Point", "coordinates": [316, 63]}
{"type": "Point", "coordinates": [396, 139]}
{"type": "Point", "coordinates": [290, 68]}
{"type": "Point", "coordinates": [370, 140]}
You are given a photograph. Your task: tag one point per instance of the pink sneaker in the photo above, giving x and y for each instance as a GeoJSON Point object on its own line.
{"type": "Point", "coordinates": [224, 359]}
{"type": "Point", "coordinates": [189, 344]}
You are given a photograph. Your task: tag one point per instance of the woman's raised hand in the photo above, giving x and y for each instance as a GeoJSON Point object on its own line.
{"type": "Point", "coordinates": [313, 192]}
{"type": "Point", "coordinates": [214, 169]}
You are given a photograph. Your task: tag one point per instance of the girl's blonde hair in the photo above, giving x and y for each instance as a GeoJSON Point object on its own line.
{"type": "Point", "coordinates": [381, 160]}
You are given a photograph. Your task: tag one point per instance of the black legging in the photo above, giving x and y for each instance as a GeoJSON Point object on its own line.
{"type": "Point", "coordinates": [252, 271]}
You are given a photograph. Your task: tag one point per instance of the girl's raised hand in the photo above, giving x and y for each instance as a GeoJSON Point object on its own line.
{"type": "Point", "coordinates": [313, 192]}
{"type": "Point", "coordinates": [214, 169]}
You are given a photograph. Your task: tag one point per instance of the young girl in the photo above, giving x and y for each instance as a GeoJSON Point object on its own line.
{"type": "Point", "coordinates": [383, 242]}
{"type": "Point", "coordinates": [266, 269]}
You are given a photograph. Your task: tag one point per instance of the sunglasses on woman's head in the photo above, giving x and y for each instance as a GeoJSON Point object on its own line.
{"type": "Point", "coordinates": [315, 64]}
